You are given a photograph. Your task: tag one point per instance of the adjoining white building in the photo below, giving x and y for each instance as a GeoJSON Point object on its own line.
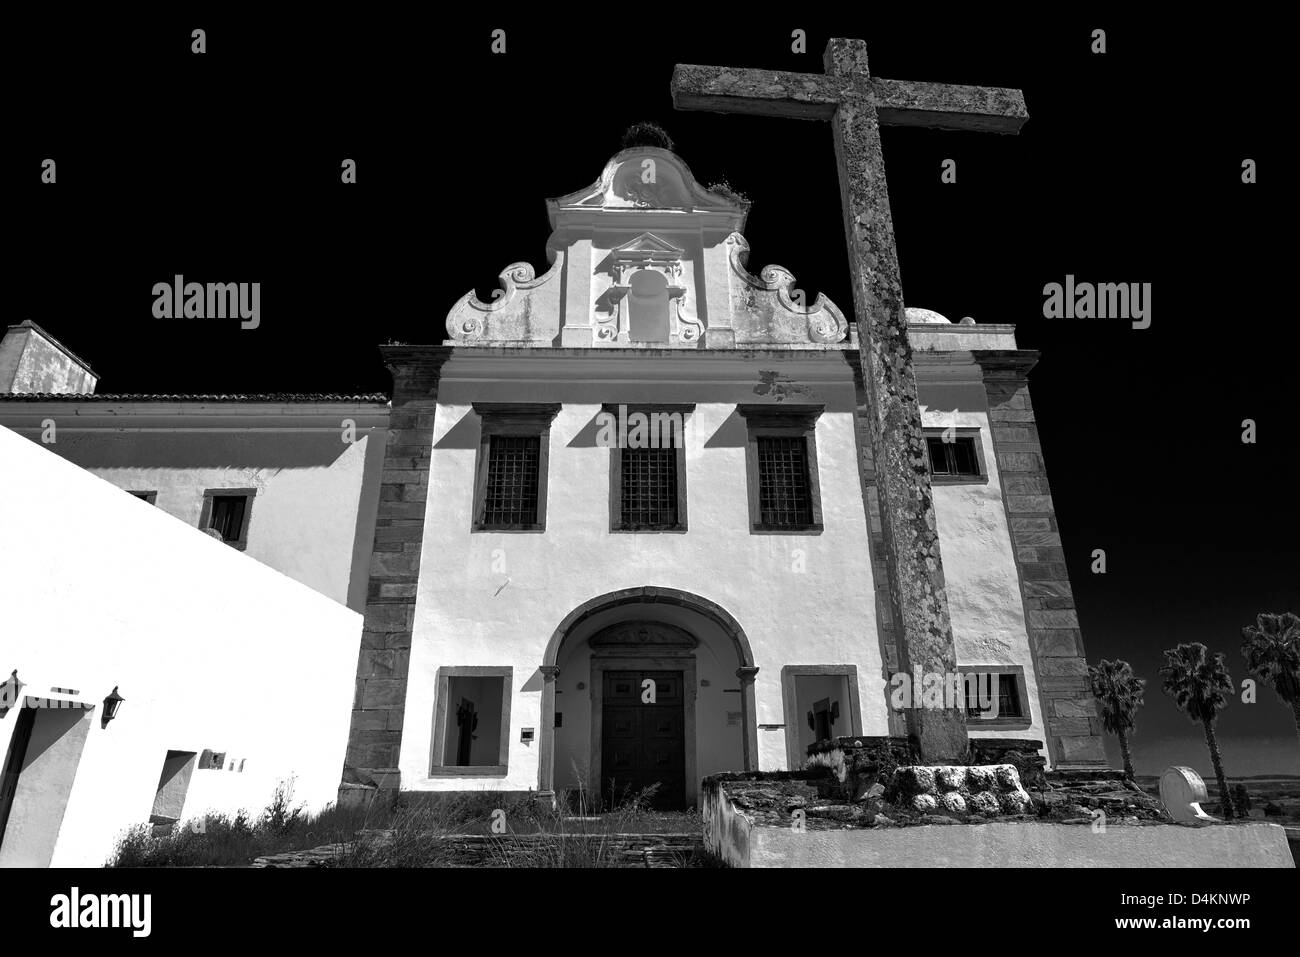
{"type": "Point", "coordinates": [290, 480]}
{"type": "Point", "coordinates": [552, 611]}
{"type": "Point", "coordinates": [233, 679]}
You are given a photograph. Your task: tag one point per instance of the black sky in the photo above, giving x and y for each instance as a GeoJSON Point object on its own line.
{"type": "Point", "coordinates": [225, 167]}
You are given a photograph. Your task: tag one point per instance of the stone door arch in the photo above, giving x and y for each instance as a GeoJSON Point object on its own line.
{"type": "Point", "coordinates": [649, 596]}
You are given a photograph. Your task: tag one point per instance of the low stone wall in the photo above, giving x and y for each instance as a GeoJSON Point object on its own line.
{"type": "Point", "coordinates": [1020, 844]}
{"type": "Point", "coordinates": [981, 817]}
{"type": "Point", "coordinates": [1077, 796]}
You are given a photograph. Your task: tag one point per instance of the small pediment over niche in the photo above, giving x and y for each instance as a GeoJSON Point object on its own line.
{"type": "Point", "coordinates": [649, 247]}
{"type": "Point", "coordinates": [632, 635]}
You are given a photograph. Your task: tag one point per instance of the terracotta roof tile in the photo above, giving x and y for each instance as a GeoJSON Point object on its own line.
{"type": "Point", "coordinates": [193, 397]}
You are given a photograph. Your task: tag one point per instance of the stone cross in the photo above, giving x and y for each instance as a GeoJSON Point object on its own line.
{"type": "Point", "coordinates": [856, 104]}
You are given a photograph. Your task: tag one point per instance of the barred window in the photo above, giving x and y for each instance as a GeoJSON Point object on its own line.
{"type": "Point", "coordinates": [510, 498]}
{"type": "Point", "coordinates": [1008, 696]}
{"type": "Point", "coordinates": [784, 494]}
{"type": "Point", "coordinates": [649, 489]}
{"type": "Point", "coordinates": [781, 468]}
{"type": "Point", "coordinates": [510, 475]}
{"type": "Point", "coordinates": [955, 457]}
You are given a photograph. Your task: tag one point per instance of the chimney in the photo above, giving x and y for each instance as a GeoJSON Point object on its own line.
{"type": "Point", "coordinates": [32, 361]}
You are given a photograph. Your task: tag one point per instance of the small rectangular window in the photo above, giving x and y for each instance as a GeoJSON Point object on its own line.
{"type": "Point", "coordinates": [1006, 685]}
{"type": "Point", "coordinates": [510, 487]}
{"type": "Point", "coordinates": [511, 497]}
{"type": "Point", "coordinates": [472, 721]}
{"type": "Point", "coordinates": [955, 458]}
{"type": "Point", "coordinates": [226, 514]}
{"type": "Point", "coordinates": [649, 488]}
{"type": "Point", "coordinates": [820, 703]}
{"type": "Point", "coordinates": [1008, 697]}
{"type": "Point", "coordinates": [781, 467]}
{"type": "Point", "coordinates": [150, 497]}
{"type": "Point", "coordinates": [647, 461]}
{"type": "Point", "coordinates": [784, 499]}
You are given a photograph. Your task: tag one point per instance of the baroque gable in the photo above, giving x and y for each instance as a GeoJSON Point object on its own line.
{"type": "Point", "coordinates": [646, 257]}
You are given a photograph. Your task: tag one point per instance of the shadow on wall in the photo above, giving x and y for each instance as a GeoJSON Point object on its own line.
{"type": "Point", "coordinates": [287, 450]}
{"type": "Point", "coordinates": [732, 434]}
{"type": "Point", "coordinates": [465, 434]}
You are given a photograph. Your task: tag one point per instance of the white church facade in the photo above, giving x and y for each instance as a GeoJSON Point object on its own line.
{"type": "Point", "coordinates": [618, 527]}
{"type": "Point", "coordinates": [554, 611]}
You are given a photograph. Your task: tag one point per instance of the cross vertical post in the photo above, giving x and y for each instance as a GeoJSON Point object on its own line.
{"type": "Point", "coordinates": [856, 104]}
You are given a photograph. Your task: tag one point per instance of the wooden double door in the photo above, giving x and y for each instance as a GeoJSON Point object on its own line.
{"type": "Point", "coordinates": [643, 737]}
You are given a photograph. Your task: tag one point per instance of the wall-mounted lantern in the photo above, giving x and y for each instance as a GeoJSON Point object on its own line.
{"type": "Point", "coordinates": [111, 704]}
{"type": "Point", "coordinates": [9, 693]}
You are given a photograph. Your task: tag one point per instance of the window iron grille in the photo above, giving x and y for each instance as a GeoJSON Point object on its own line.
{"type": "Point", "coordinates": [510, 498]}
{"type": "Point", "coordinates": [785, 499]}
{"type": "Point", "coordinates": [649, 488]}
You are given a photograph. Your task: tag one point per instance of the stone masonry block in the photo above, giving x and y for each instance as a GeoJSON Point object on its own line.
{"type": "Point", "coordinates": [1041, 553]}
{"type": "Point", "coordinates": [389, 617]}
{"type": "Point", "coordinates": [1081, 749]}
{"type": "Point", "coordinates": [382, 693]}
{"type": "Point", "coordinates": [1035, 523]}
{"type": "Point", "coordinates": [1028, 538]}
{"type": "Point", "coordinates": [1016, 485]}
{"type": "Point", "coordinates": [1030, 503]}
{"type": "Point", "coordinates": [1063, 667]}
{"type": "Point", "coordinates": [1057, 642]}
{"type": "Point", "coordinates": [1053, 619]}
{"type": "Point", "coordinates": [1020, 462]}
{"type": "Point", "coordinates": [1074, 707]}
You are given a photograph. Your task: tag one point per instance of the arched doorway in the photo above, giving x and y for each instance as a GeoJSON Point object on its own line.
{"type": "Point", "coordinates": [609, 647]}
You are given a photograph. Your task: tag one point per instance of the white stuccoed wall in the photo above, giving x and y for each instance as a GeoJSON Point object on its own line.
{"type": "Point", "coordinates": [313, 516]}
{"type": "Point", "coordinates": [211, 650]}
{"type": "Point", "coordinates": [469, 614]}
{"type": "Point", "coordinates": [823, 615]}
{"type": "Point", "coordinates": [984, 600]}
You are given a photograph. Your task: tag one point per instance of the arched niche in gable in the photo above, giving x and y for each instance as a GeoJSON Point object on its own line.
{"type": "Point", "coordinates": [645, 301]}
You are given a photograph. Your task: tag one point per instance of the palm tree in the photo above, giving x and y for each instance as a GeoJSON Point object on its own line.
{"type": "Point", "coordinates": [1200, 685]}
{"type": "Point", "coordinates": [1271, 648]}
{"type": "Point", "coordinates": [1119, 692]}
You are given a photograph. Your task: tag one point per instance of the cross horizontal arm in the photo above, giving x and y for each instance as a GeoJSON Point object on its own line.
{"type": "Point", "coordinates": [948, 106]}
{"type": "Point", "coordinates": [805, 96]}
